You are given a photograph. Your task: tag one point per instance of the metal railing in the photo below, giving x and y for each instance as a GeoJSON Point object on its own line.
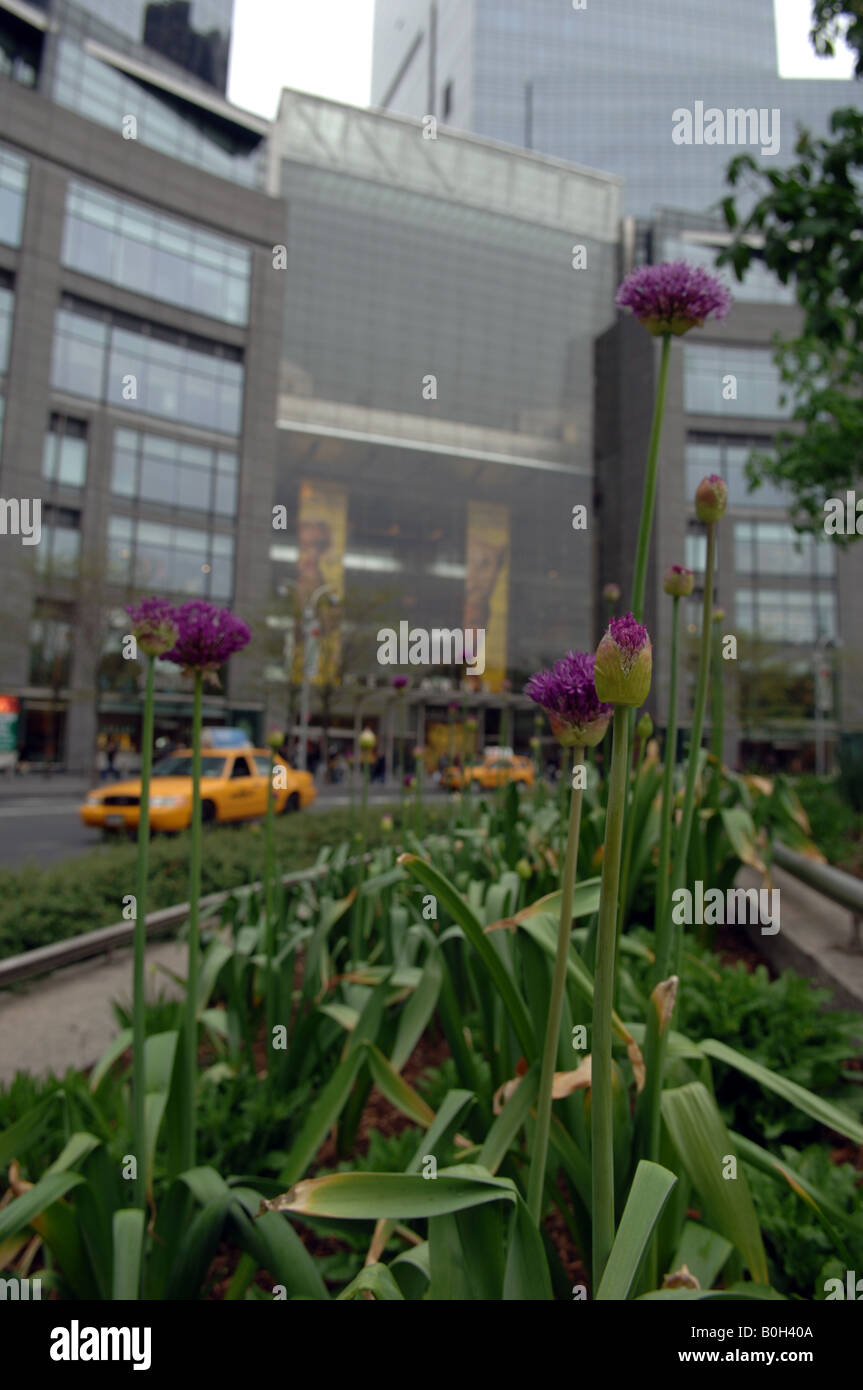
{"type": "Point", "coordinates": [104, 940]}
{"type": "Point", "coordinates": [840, 887]}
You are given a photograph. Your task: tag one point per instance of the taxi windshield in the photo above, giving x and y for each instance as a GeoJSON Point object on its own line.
{"type": "Point", "coordinates": [181, 766]}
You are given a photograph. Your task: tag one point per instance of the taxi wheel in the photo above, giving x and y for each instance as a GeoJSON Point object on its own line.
{"type": "Point", "coordinates": [208, 812]}
{"type": "Point", "coordinates": [292, 803]}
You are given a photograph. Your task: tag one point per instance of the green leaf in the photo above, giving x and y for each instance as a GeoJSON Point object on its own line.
{"type": "Point", "coordinates": [128, 1248]}
{"type": "Point", "coordinates": [377, 1280]}
{"type": "Point", "coordinates": [27, 1208]}
{"type": "Point", "coordinates": [106, 1061]}
{"type": "Point", "coordinates": [16, 1140]}
{"type": "Point", "coordinates": [647, 1197]}
{"type": "Point", "coordinates": [458, 909]}
{"type": "Point", "coordinates": [397, 1091]}
{"type": "Point", "coordinates": [828, 1213]}
{"type": "Point", "coordinates": [527, 1278]}
{"type": "Point", "coordinates": [275, 1246]}
{"type": "Point", "coordinates": [74, 1152]}
{"type": "Point", "coordinates": [418, 1010]}
{"type": "Point", "coordinates": [737, 1293]}
{"type": "Point", "coordinates": [159, 1054]}
{"type": "Point", "coordinates": [822, 1110]}
{"type": "Point", "coordinates": [703, 1251]}
{"type": "Point", "coordinates": [510, 1120]}
{"type": "Point", "coordinates": [322, 1116]}
{"type": "Point", "coordinates": [399, 1196]}
{"type": "Point", "coordinates": [704, 1144]}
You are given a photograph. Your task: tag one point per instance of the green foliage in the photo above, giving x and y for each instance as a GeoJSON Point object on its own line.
{"type": "Point", "coordinates": [799, 1251]}
{"type": "Point", "coordinates": [808, 216]}
{"type": "Point", "coordinates": [41, 905]}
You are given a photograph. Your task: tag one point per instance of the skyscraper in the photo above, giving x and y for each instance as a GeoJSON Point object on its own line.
{"type": "Point", "coordinates": [605, 85]}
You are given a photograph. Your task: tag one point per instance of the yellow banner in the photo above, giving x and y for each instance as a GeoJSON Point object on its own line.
{"type": "Point", "coordinates": [487, 585]}
{"type": "Point", "coordinates": [322, 527]}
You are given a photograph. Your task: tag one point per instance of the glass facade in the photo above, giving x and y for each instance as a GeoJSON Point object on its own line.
{"type": "Point", "coordinates": [169, 472]}
{"type": "Point", "coordinates": [170, 559]}
{"type": "Point", "coordinates": [599, 86]}
{"type": "Point", "coordinates": [196, 34]}
{"type": "Point", "coordinates": [102, 93]}
{"type": "Point", "coordinates": [136, 365]}
{"type": "Point", "coordinates": [719, 380]}
{"type": "Point", "coordinates": [387, 287]}
{"type": "Point", "coordinates": [727, 455]}
{"type": "Point", "coordinates": [771, 548]}
{"type": "Point", "coordinates": [787, 615]}
{"type": "Point", "coordinates": [64, 458]}
{"type": "Point", "coordinates": [13, 196]}
{"type": "Point", "coordinates": [50, 648]}
{"type": "Point", "coordinates": [758, 284]}
{"type": "Point", "coordinates": [117, 240]}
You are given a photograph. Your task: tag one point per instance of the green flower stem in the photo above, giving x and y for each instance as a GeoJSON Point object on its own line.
{"type": "Point", "coordinates": [649, 497]}
{"type": "Point", "coordinates": [661, 928]}
{"type": "Point", "coordinates": [555, 1006]}
{"type": "Point", "coordinates": [418, 796]}
{"type": "Point", "coordinates": [190, 1059]}
{"type": "Point", "coordinates": [269, 913]}
{"type": "Point", "coordinates": [682, 843]}
{"type": "Point", "coordinates": [139, 1006]}
{"type": "Point", "coordinates": [628, 839]}
{"type": "Point", "coordinates": [717, 698]}
{"type": "Point", "coordinates": [602, 1125]}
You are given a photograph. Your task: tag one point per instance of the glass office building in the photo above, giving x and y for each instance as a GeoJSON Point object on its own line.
{"type": "Point", "coordinates": [601, 85]}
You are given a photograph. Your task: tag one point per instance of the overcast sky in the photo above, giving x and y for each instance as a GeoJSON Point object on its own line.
{"type": "Point", "coordinates": [325, 46]}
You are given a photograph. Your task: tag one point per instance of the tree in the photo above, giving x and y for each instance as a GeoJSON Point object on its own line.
{"type": "Point", "coordinates": [808, 227]}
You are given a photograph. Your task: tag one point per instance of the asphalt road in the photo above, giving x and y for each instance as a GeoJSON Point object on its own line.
{"type": "Point", "coordinates": [44, 828]}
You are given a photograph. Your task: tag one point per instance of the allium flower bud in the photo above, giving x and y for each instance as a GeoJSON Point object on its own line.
{"type": "Point", "coordinates": [611, 593]}
{"type": "Point", "coordinates": [568, 696]}
{"type": "Point", "coordinates": [624, 663]}
{"type": "Point", "coordinates": [386, 824]}
{"type": "Point", "coordinates": [275, 739]}
{"type": "Point", "coordinates": [367, 740]}
{"type": "Point", "coordinates": [535, 744]}
{"type": "Point", "coordinates": [644, 727]}
{"type": "Point", "coordinates": [679, 581]}
{"type": "Point", "coordinates": [471, 725]}
{"type": "Point", "coordinates": [154, 625]}
{"type": "Point", "coordinates": [711, 498]}
{"type": "Point", "coordinates": [718, 615]}
{"type": "Point", "coordinates": [523, 868]}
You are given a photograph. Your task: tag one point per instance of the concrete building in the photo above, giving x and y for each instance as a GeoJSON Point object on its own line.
{"type": "Point", "coordinates": [600, 83]}
{"type": "Point", "coordinates": [139, 358]}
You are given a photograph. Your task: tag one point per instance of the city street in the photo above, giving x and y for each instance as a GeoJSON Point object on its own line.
{"type": "Point", "coordinates": [41, 823]}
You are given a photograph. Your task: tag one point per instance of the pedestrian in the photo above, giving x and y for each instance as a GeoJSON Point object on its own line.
{"type": "Point", "coordinates": [112, 748]}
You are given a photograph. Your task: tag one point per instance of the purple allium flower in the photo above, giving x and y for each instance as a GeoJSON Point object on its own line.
{"type": "Point", "coordinates": [711, 498]}
{"type": "Point", "coordinates": [207, 636]}
{"type": "Point", "coordinates": [624, 663]}
{"type": "Point", "coordinates": [678, 581]}
{"type": "Point", "coordinates": [673, 297]}
{"type": "Point", "coordinates": [154, 625]}
{"type": "Point", "coordinates": [400, 683]}
{"type": "Point", "coordinates": [568, 695]}
{"type": "Point", "coordinates": [611, 593]}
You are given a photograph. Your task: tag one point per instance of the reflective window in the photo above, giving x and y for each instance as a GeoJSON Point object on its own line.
{"type": "Point", "coordinates": [787, 615]}
{"type": "Point", "coordinates": [50, 649]}
{"type": "Point", "coordinates": [64, 456]}
{"type": "Point", "coordinates": [196, 34]}
{"type": "Point", "coordinates": [173, 473]}
{"type": "Point", "coordinates": [719, 380]}
{"type": "Point", "coordinates": [140, 366]}
{"type": "Point", "coordinates": [727, 455]}
{"type": "Point", "coordinates": [7, 309]}
{"type": "Point", "coordinates": [13, 196]}
{"type": "Point", "coordinates": [172, 559]}
{"type": "Point", "coordinates": [59, 550]}
{"type": "Point", "coordinates": [762, 547]}
{"type": "Point", "coordinates": [20, 50]}
{"type": "Point", "coordinates": [163, 122]}
{"type": "Point", "coordinates": [114, 239]}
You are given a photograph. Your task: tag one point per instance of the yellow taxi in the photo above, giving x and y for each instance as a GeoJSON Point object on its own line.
{"type": "Point", "coordinates": [498, 767]}
{"type": "Point", "coordinates": [233, 788]}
